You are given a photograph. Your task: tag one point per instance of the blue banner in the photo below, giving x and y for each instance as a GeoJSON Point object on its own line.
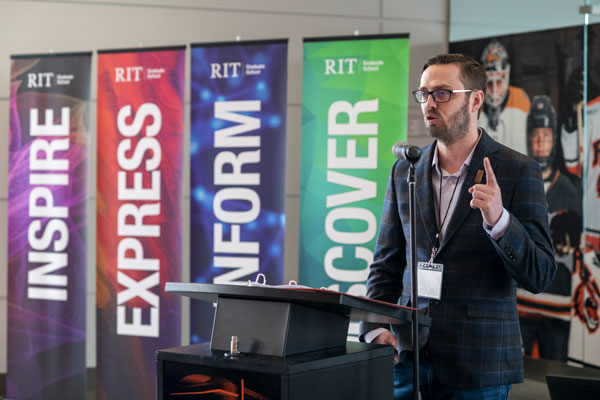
{"type": "Point", "coordinates": [238, 107]}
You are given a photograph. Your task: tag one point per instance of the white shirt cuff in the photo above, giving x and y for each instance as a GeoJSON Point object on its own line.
{"type": "Point", "coordinates": [497, 231]}
{"type": "Point", "coordinates": [371, 335]}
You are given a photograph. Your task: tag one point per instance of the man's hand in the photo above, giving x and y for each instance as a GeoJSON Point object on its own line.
{"type": "Point", "coordinates": [487, 197]}
{"type": "Point", "coordinates": [387, 338]}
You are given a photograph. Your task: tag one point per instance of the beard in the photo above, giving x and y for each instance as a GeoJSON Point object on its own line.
{"type": "Point", "coordinates": [455, 129]}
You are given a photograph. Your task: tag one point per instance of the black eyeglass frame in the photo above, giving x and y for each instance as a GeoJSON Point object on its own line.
{"type": "Point", "coordinates": [433, 92]}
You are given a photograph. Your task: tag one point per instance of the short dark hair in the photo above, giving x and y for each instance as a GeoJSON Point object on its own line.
{"type": "Point", "coordinates": [472, 74]}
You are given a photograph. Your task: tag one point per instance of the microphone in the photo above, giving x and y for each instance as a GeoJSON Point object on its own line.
{"type": "Point", "coordinates": [404, 151]}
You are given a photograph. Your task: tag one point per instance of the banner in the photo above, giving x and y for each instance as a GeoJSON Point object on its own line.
{"type": "Point", "coordinates": [586, 292]}
{"type": "Point", "coordinates": [139, 227]}
{"type": "Point", "coordinates": [534, 104]}
{"type": "Point", "coordinates": [237, 159]}
{"type": "Point", "coordinates": [47, 221]}
{"type": "Point", "coordinates": [354, 108]}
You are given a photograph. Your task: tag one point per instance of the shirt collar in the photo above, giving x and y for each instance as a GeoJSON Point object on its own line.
{"type": "Point", "coordinates": [435, 161]}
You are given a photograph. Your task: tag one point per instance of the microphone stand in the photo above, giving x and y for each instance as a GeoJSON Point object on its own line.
{"type": "Point", "coordinates": [412, 179]}
{"type": "Point", "coordinates": [404, 151]}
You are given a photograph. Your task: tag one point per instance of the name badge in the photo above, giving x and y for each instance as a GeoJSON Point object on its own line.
{"type": "Point", "coordinates": [429, 276]}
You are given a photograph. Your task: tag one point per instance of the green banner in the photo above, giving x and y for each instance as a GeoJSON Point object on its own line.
{"type": "Point", "coordinates": [354, 108]}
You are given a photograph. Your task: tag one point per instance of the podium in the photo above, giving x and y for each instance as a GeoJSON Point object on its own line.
{"type": "Point", "coordinates": [292, 344]}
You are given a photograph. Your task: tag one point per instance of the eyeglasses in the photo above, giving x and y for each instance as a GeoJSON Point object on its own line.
{"type": "Point", "coordinates": [439, 96]}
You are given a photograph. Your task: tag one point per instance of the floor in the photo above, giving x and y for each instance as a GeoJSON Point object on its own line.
{"type": "Point", "coordinates": [530, 390]}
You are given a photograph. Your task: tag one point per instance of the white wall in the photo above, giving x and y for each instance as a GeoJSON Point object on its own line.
{"type": "Point", "coordinates": [66, 26]}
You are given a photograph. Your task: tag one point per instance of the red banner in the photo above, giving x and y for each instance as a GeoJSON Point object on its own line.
{"type": "Point", "coordinates": [140, 140]}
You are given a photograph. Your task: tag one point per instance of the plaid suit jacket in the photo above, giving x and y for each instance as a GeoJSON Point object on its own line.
{"type": "Point", "coordinates": [474, 337]}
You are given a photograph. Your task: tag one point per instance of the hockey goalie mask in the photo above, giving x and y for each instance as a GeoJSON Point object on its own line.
{"type": "Point", "coordinates": [495, 62]}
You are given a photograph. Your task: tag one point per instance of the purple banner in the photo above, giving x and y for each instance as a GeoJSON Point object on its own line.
{"type": "Point", "coordinates": [47, 221]}
{"type": "Point", "coordinates": [238, 101]}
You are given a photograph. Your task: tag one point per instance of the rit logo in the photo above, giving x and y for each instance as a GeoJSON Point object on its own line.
{"type": "Point", "coordinates": [40, 79]}
{"type": "Point", "coordinates": [128, 74]}
{"type": "Point", "coordinates": [340, 66]}
{"type": "Point", "coordinates": [225, 70]}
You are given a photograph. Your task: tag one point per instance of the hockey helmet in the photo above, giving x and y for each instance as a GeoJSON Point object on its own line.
{"type": "Point", "coordinates": [541, 115]}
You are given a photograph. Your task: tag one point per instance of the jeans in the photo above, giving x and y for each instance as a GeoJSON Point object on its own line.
{"type": "Point", "coordinates": [432, 388]}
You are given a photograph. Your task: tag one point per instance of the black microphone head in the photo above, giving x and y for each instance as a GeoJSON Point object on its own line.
{"type": "Point", "coordinates": [413, 153]}
{"type": "Point", "coordinates": [404, 151]}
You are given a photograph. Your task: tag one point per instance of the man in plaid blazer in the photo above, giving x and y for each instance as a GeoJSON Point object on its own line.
{"type": "Point", "coordinates": [488, 206]}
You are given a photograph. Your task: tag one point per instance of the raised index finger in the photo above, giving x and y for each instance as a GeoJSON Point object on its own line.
{"type": "Point", "coordinates": [489, 173]}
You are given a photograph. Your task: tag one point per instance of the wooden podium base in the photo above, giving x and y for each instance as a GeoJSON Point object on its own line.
{"type": "Point", "coordinates": [356, 371]}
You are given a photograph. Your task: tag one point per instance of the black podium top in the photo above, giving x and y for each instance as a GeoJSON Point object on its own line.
{"type": "Point", "coordinates": [358, 308]}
